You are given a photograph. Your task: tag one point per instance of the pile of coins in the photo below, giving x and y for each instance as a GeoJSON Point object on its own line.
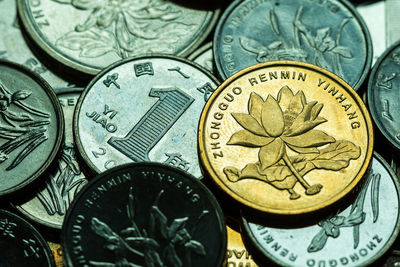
{"type": "Point", "coordinates": [165, 133]}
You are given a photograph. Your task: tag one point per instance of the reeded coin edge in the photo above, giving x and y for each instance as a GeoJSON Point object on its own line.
{"type": "Point", "coordinates": [208, 170]}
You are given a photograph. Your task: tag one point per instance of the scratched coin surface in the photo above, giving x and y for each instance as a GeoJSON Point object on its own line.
{"type": "Point", "coordinates": [329, 34]}
{"type": "Point", "coordinates": [303, 135]}
{"type": "Point", "coordinates": [143, 109]}
{"type": "Point", "coordinates": [144, 214]}
{"type": "Point", "coordinates": [21, 244]}
{"type": "Point", "coordinates": [14, 48]}
{"type": "Point", "coordinates": [49, 204]}
{"type": "Point", "coordinates": [89, 35]}
{"type": "Point", "coordinates": [204, 57]}
{"type": "Point", "coordinates": [357, 236]}
{"type": "Point", "coordinates": [31, 128]}
{"type": "Point", "coordinates": [383, 94]}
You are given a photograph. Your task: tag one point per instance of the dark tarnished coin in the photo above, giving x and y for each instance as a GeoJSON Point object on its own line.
{"type": "Point", "coordinates": [383, 94]}
{"type": "Point", "coordinates": [357, 236]}
{"type": "Point", "coordinates": [31, 127]}
{"type": "Point", "coordinates": [88, 35]}
{"type": "Point", "coordinates": [329, 34]}
{"type": "Point", "coordinates": [49, 204]}
{"type": "Point", "coordinates": [21, 244]}
{"type": "Point", "coordinates": [204, 57]}
{"type": "Point", "coordinates": [144, 214]}
{"type": "Point", "coordinates": [143, 109]}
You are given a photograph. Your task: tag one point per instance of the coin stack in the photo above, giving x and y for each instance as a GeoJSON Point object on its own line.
{"type": "Point", "coordinates": [170, 133]}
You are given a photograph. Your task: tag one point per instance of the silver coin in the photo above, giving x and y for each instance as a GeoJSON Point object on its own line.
{"type": "Point", "coordinates": [50, 203]}
{"type": "Point", "coordinates": [89, 35]}
{"type": "Point", "coordinates": [14, 48]}
{"type": "Point", "coordinates": [143, 109]}
{"type": "Point", "coordinates": [357, 236]}
{"type": "Point", "coordinates": [204, 57]}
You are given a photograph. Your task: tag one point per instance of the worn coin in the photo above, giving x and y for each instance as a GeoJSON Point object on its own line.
{"type": "Point", "coordinates": [143, 109]}
{"type": "Point", "coordinates": [32, 126]}
{"type": "Point", "coordinates": [357, 236]}
{"type": "Point", "coordinates": [144, 214]}
{"type": "Point", "coordinates": [383, 94]}
{"type": "Point", "coordinates": [329, 34]}
{"type": "Point", "coordinates": [88, 35]}
{"type": "Point", "coordinates": [204, 57]}
{"type": "Point", "coordinates": [21, 244]}
{"type": "Point", "coordinates": [49, 204]}
{"type": "Point", "coordinates": [14, 48]}
{"type": "Point", "coordinates": [285, 137]}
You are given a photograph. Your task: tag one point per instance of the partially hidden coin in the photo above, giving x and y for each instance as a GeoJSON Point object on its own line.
{"type": "Point", "coordinates": [143, 109]}
{"type": "Point", "coordinates": [21, 244]}
{"type": "Point", "coordinates": [144, 214]}
{"type": "Point", "coordinates": [14, 48]}
{"type": "Point", "coordinates": [32, 127]}
{"type": "Point", "coordinates": [357, 236]}
{"type": "Point", "coordinates": [285, 138]}
{"type": "Point", "coordinates": [50, 202]}
{"type": "Point", "coordinates": [89, 35]}
{"type": "Point", "coordinates": [329, 34]}
{"type": "Point", "coordinates": [57, 253]}
{"type": "Point", "coordinates": [383, 88]}
{"type": "Point", "coordinates": [204, 57]}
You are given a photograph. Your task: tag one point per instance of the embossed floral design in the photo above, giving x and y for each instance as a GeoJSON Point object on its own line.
{"type": "Point", "coordinates": [286, 123]}
{"type": "Point", "coordinates": [131, 20]}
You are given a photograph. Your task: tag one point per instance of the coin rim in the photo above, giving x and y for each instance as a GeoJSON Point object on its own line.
{"type": "Point", "coordinates": [208, 170]}
{"type": "Point", "coordinates": [81, 151]}
{"type": "Point", "coordinates": [59, 116]}
{"type": "Point", "coordinates": [69, 62]}
{"type": "Point", "coordinates": [346, 4]}
{"type": "Point", "coordinates": [151, 165]}
{"type": "Point", "coordinates": [248, 234]}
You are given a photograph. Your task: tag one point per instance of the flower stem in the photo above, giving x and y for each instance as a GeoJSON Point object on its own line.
{"type": "Point", "coordinates": [295, 172]}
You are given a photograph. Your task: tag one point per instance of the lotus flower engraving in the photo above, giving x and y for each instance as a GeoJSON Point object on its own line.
{"type": "Point", "coordinates": [287, 123]}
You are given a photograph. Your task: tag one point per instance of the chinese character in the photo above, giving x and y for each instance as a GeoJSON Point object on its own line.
{"type": "Point", "coordinates": [176, 160]}
{"type": "Point", "coordinates": [178, 69]}
{"type": "Point", "coordinates": [112, 79]}
{"type": "Point", "coordinates": [6, 228]}
{"type": "Point", "coordinates": [143, 69]}
{"type": "Point", "coordinates": [30, 248]}
{"type": "Point", "coordinates": [206, 90]}
{"type": "Point", "coordinates": [385, 81]}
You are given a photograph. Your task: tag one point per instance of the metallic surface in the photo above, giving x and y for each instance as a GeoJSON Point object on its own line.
{"type": "Point", "coordinates": [357, 236]}
{"type": "Point", "coordinates": [49, 204]}
{"type": "Point", "coordinates": [330, 34]}
{"type": "Point", "coordinates": [90, 35]}
{"type": "Point", "coordinates": [57, 253]}
{"type": "Point", "coordinates": [21, 244]}
{"type": "Point", "coordinates": [143, 109]}
{"type": "Point", "coordinates": [32, 127]}
{"type": "Point", "coordinates": [204, 57]}
{"type": "Point", "coordinates": [304, 138]}
{"type": "Point", "coordinates": [144, 214]}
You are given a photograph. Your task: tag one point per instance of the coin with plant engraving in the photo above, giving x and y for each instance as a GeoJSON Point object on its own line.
{"type": "Point", "coordinates": [143, 109]}
{"type": "Point", "coordinates": [50, 202]}
{"type": "Point", "coordinates": [144, 214]}
{"type": "Point", "coordinates": [357, 236]}
{"type": "Point", "coordinates": [383, 94]}
{"type": "Point", "coordinates": [303, 135]}
{"type": "Point", "coordinates": [32, 126]}
{"type": "Point", "coordinates": [204, 57]}
{"type": "Point", "coordinates": [21, 244]}
{"type": "Point", "coordinates": [89, 35]}
{"type": "Point", "coordinates": [329, 34]}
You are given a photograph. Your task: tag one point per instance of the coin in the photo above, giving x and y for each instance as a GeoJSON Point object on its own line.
{"type": "Point", "coordinates": [49, 204]}
{"type": "Point", "coordinates": [382, 94]}
{"type": "Point", "coordinates": [329, 34]}
{"type": "Point", "coordinates": [90, 35]}
{"type": "Point", "coordinates": [204, 57]}
{"type": "Point", "coordinates": [144, 214]}
{"type": "Point", "coordinates": [143, 109]}
{"type": "Point", "coordinates": [32, 127]}
{"type": "Point", "coordinates": [14, 48]}
{"type": "Point", "coordinates": [21, 244]}
{"type": "Point", "coordinates": [285, 138]}
{"type": "Point", "coordinates": [357, 236]}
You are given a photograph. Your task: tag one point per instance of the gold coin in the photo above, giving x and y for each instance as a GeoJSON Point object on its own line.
{"type": "Point", "coordinates": [285, 138]}
{"type": "Point", "coordinates": [57, 252]}
{"type": "Point", "coordinates": [236, 252]}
